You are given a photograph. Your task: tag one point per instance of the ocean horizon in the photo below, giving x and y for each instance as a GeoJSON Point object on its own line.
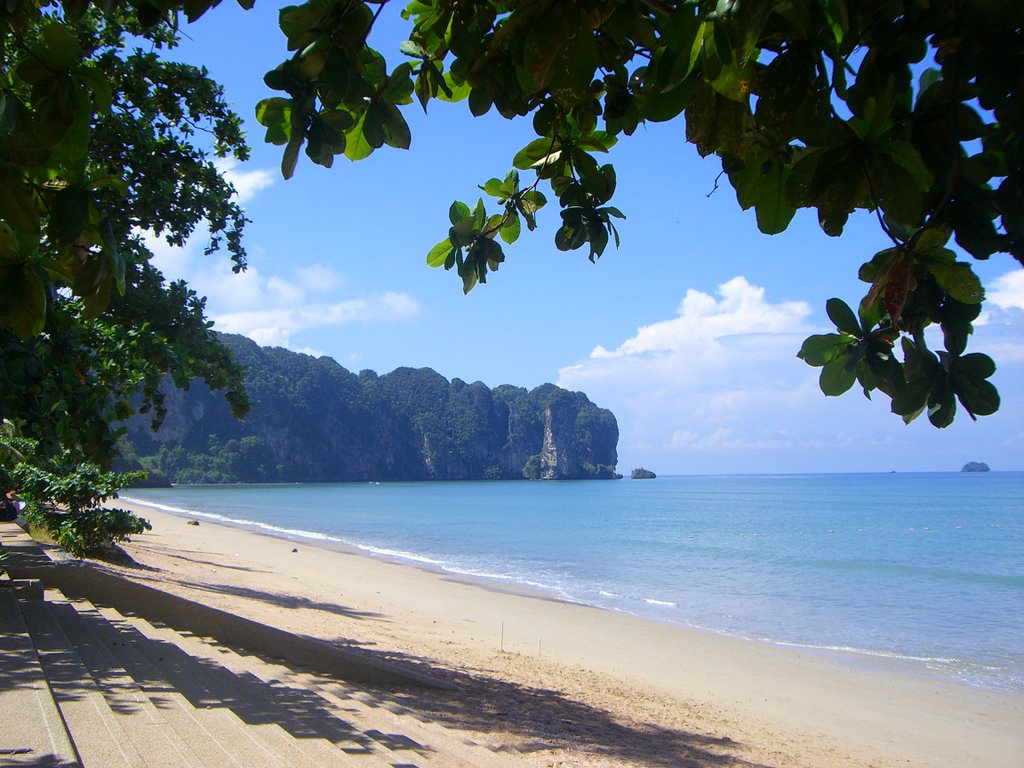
{"type": "Point", "coordinates": [924, 571]}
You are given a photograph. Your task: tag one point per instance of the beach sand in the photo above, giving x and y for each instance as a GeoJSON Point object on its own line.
{"type": "Point", "coordinates": [569, 685]}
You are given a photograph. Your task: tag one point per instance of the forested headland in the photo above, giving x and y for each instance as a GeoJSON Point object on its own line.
{"type": "Point", "coordinates": [313, 420]}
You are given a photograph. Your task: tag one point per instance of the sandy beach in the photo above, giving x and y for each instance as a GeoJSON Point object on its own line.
{"type": "Point", "coordinates": [568, 685]}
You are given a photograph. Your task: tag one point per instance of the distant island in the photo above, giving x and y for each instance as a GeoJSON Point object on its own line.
{"type": "Point", "coordinates": [314, 421]}
{"type": "Point", "coordinates": [642, 474]}
{"type": "Point", "coordinates": [975, 466]}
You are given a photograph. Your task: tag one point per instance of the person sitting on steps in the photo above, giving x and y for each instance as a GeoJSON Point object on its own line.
{"type": "Point", "coordinates": [9, 507]}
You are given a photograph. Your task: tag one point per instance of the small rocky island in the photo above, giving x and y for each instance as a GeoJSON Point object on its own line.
{"type": "Point", "coordinates": [975, 466]}
{"type": "Point", "coordinates": [642, 474]}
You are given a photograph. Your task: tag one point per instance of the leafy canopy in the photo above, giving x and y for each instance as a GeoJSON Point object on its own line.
{"type": "Point", "coordinates": [905, 109]}
{"type": "Point", "coordinates": [101, 140]}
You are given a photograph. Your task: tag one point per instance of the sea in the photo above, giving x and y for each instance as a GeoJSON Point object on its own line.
{"type": "Point", "coordinates": [921, 571]}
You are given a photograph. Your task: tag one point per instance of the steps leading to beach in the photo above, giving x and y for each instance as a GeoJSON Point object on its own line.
{"type": "Point", "coordinates": [84, 686]}
{"type": "Point", "coordinates": [33, 732]}
{"type": "Point", "coordinates": [398, 730]}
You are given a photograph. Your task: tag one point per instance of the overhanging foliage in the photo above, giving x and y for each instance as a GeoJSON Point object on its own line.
{"type": "Point", "coordinates": [906, 109]}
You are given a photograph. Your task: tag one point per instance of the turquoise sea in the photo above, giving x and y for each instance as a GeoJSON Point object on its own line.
{"type": "Point", "coordinates": [925, 571]}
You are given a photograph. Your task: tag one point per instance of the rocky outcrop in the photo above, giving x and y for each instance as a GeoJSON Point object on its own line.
{"type": "Point", "coordinates": [641, 474]}
{"type": "Point", "coordinates": [975, 466]}
{"type": "Point", "coordinates": [312, 420]}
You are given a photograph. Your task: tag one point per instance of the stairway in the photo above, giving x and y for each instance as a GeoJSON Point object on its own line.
{"type": "Point", "coordinates": [85, 686]}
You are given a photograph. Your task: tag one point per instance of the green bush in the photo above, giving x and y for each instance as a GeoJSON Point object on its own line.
{"type": "Point", "coordinates": [85, 532]}
{"type": "Point", "coordinates": [65, 498]}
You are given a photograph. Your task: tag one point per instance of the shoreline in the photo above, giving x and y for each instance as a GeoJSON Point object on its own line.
{"type": "Point", "coordinates": [853, 658]}
{"type": "Point", "coordinates": [786, 706]}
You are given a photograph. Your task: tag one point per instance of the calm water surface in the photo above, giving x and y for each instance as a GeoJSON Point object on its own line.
{"type": "Point", "coordinates": [923, 569]}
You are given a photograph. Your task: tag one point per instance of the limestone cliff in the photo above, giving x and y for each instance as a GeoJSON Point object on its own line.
{"type": "Point", "coordinates": [312, 420]}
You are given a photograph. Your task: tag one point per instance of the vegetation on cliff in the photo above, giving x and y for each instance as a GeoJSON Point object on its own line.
{"type": "Point", "coordinates": [313, 420]}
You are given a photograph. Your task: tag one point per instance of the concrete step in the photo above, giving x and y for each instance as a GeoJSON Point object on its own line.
{"type": "Point", "coordinates": [399, 730]}
{"type": "Point", "coordinates": [174, 680]}
{"type": "Point", "coordinates": [97, 733]}
{"type": "Point", "coordinates": [191, 737]}
{"type": "Point", "coordinates": [32, 731]}
{"type": "Point", "coordinates": [294, 733]}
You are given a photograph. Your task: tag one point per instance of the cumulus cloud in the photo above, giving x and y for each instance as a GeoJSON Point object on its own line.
{"type": "Point", "coordinates": [1007, 291]}
{"type": "Point", "coordinates": [999, 328]}
{"type": "Point", "coordinates": [721, 375]}
{"type": "Point", "coordinates": [718, 388]}
{"type": "Point", "coordinates": [712, 345]}
{"type": "Point", "coordinates": [269, 309]}
{"type": "Point", "coordinates": [704, 323]}
{"type": "Point", "coordinates": [274, 323]}
{"type": "Point", "coordinates": [246, 182]}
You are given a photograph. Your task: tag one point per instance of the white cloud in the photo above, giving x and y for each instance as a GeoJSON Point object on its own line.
{"type": "Point", "coordinates": [319, 278]}
{"type": "Point", "coordinates": [1007, 291]}
{"type": "Point", "coordinates": [721, 376]}
{"type": "Point", "coordinates": [718, 388]}
{"type": "Point", "coordinates": [269, 309]}
{"type": "Point", "coordinates": [273, 323]}
{"type": "Point", "coordinates": [741, 312]}
{"type": "Point", "coordinates": [246, 182]}
{"type": "Point", "coordinates": [999, 331]}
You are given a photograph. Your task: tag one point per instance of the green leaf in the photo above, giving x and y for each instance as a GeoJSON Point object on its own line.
{"type": "Point", "coordinates": [61, 50]}
{"type": "Point", "coordinates": [840, 313]}
{"type": "Point", "coordinates": [713, 122]}
{"type": "Point", "coordinates": [17, 206]}
{"type": "Point", "coordinates": [22, 299]}
{"type": "Point", "coordinates": [275, 114]}
{"type": "Point", "coordinates": [494, 188]}
{"type": "Point", "coordinates": [99, 86]}
{"type": "Point", "coordinates": [959, 281]}
{"type": "Point", "coordinates": [490, 252]}
{"type": "Point", "coordinates": [413, 49]}
{"type": "Point", "coordinates": [457, 212]}
{"type": "Point", "coordinates": [838, 18]}
{"type": "Point", "coordinates": [480, 214]}
{"type": "Point", "coordinates": [399, 84]}
{"type": "Point", "coordinates": [907, 157]}
{"type": "Point", "coordinates": [510, 231]}
{"type": "Point", "coordinates": [439, 254]}
{"type": "Point", "coordinates": [356, 146]}
{"type": "Point", "coordinates": [980, 398]}
{"type": "Point", "coordinates": [941, 408]}
{"type": "Point", "coordinates": [69, 214]}
{"type": "Point", "coordinates": [463, 232]}
{"type": "Point", "coordinates": [8, 114]}
{"type": "Point", "coordinates": [535, 153]}
{"type": "Point", "coordinates": [596, 141]}
{"type": "Point", "coordinates": [976, 365]}
{"type": "Point", "coordinates": [822, 348]}
{"type": "Point", "coordinates": [373, 126]}
{"type": "Point", "coordinates": [494, 223]}
{"type": "Point", "coordinates": [396, 130]}
{"type": "Point", "coordinates": [836, 378]}
{"type": "Point", "coordinates": [871, 312]}
{"type": "Point", "coordinates": [662, 106]}
{"type": "Point", "coordinates": [911, 399]}
{"type": "Point", "coordinates": [761, 183]}
{"type": "Point", "coordinates": [290, 157]}
{"type": "Point", "coordinates": [194, 9]}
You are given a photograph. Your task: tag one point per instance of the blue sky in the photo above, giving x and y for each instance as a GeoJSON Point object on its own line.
{"type": "Point", "coordinates": [688, 332]}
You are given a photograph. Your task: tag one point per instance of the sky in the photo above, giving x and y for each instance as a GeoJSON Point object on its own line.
{"type": "Point", "coordinates": [688, 332]}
